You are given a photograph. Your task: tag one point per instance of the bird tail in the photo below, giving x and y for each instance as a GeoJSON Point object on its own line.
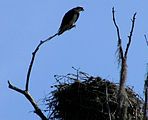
{"type": "Point", "coordinates": [62, 29]}
{"type": "Point", "coordinates": [65, 28]}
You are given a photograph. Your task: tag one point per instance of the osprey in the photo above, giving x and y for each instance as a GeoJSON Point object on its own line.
{"type": "Point", "coordinates": [69, 19]}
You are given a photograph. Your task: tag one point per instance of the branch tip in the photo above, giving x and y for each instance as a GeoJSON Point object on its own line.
{"type": "Point", "coordinates": [135, 13]}
{"type": "Point", "coordinates": [113, 9]}
{"type": "Point", "coordinates": [146, 39]}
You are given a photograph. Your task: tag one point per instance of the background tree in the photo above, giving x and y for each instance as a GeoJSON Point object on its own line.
{"type": "Point", "coordinates": [123, 102]}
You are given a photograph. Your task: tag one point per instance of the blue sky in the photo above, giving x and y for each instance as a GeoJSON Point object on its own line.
{"type": "Point", "coordinates": [91, 46]}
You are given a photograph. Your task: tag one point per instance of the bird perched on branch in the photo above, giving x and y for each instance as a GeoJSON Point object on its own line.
{"type": "Point", "coordinates": [69, 19]}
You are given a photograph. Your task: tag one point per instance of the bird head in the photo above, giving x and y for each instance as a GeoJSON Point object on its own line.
{"type": "Point", "coordinates": [79, 9]}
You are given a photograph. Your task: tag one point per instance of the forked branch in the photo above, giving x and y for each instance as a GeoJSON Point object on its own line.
{"type": "Point", "coordinates": [146, 89]}
{"type": "Point", "coordinates": [122, 59]}
{"type": "Point", "coordinates": [26, 91]}
{"type": "Point", "coordinates": [31, 100]}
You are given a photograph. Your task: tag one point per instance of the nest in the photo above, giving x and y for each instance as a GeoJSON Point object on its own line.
{"type": "Point", "coordinates": [83, 97]}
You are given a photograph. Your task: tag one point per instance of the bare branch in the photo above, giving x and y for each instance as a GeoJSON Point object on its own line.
{"type": "Point", "coordinates": [33, 58]}
{"type": "Point", "coordinates": [31, 100]}
{"type": "Point", "coordinates": [146, 96]}
{"type": "Point", "coordinates": [25, 92]}
{"type": "Point", "coordinates": [122, 59]}
{"type": "Point", "coordinates": [123, 73]}
{"type": "Point", "coordinates": [119, 49]}
{"type": "Point", "coordinates": [15, 88]}
{"type": "Point", "coordinates": [146, 39]}
{"type": "Point", "coordinates": [130, 36]}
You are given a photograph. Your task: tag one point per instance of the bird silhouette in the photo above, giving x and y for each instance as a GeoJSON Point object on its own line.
{"type": "Point", "coordinates": [70, 19]}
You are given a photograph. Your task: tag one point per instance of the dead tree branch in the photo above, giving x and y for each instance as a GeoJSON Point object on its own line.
{"type": "Point", "coordinates": [146, 98]}
{"type": "Point", "coordinates": [130, 36]}
{"type": "Point", "coordinates": [119, 45]}
{"type": "Point", "coordinates": [122, 59]}
{"type": "Point", "coordinates": [31, 100]}
{"type": "Point", "coordinates": [124, 65]}
{"type": "Point", "coordinates": [26, 91]}
{"type": "Point", "coordinates": [123, 56]}
{"type": "Point", "coordinates": [146, 90]}
{"type": "Point", "coordinates": [33, 58]}
{"type": "Point", "coordinates": [146, 39]}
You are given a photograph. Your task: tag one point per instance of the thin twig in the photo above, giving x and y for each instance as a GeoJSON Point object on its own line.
{"type": "Point", "coordinates": [146, 97]}
{"type": "Point", "coordinates": [15, 88]}
{"type": "Point", "coordinates": [130, 36]}
{"type": "Point", "coordinates": [146, 39]}
{"type": "Point", "coordinates": [114, 20]}
{"type": "Point", "coordinates": [119, 50]}
{"type": "Point", "coordinates": [33, 58]}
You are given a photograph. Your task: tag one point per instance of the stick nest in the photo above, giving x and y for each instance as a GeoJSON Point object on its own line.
{"type": "Point", "coordinates": [83, 97]}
